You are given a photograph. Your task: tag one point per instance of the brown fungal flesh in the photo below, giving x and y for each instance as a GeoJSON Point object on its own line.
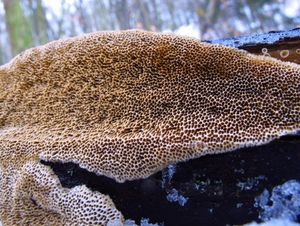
{"type": "Point", "coordinates": [125, 105]}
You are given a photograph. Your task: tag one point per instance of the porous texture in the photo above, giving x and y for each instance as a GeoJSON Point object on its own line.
{"type": "Point", "coordinates": [126, 104]}
{"type": "Point", "coordinates": [33, 195]}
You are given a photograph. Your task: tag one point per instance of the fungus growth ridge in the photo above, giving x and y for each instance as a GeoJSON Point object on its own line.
{"type": "Point", "coordinates": [125, 105]}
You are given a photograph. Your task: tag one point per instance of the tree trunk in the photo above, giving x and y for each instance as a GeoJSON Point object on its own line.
{"type": "Point", "coordinates": [39, 23]}
{"type": "Point", "coordinates": [18, 26]}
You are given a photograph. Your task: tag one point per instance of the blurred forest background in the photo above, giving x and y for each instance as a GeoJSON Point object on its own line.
{"type": "Point", "coordinates": [27, 23]}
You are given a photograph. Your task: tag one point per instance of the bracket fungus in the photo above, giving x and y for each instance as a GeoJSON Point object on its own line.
{"type": "Point", "coordinates": [125, 105]}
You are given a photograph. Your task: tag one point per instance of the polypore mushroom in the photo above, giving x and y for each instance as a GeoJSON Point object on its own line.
{"type": "Point", "coordinates": [125, 105]}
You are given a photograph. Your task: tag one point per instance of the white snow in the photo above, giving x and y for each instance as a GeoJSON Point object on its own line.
{"type": "Point", "coordinates": [167, 175]}
{"type": "Point", "coordinates": [174, 196]}
{"type": "Point", "coordinates": [283, 203]}
{"type": "Point", "coordinates": [144, 222]}
{"type": "Point", "coordinates": [274, 222]}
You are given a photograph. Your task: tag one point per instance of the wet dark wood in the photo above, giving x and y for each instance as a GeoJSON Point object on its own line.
{"type": "Point", "coordinates": [283, 45]}
{"type": "Point", "coordinates": [220, 188]}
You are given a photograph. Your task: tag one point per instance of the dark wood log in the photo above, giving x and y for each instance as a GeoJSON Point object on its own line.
{"type": "Point", "coordinates": [283, 45]}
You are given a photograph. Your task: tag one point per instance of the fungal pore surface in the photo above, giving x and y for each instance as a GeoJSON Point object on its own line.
{"type": "Point", "coordinates": [125, 105]}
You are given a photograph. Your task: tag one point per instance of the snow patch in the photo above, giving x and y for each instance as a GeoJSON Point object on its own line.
{"type": "Point", "coordinates": [284, 202]}
{"type": "Point", "coordinates": [167, 175]}
{"type": "Point", "coordinates": [144, 222]}
{"type": "Point", "coordinates": [174, 196]}
{"type": "Point", "coordinates": [274, 222]}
